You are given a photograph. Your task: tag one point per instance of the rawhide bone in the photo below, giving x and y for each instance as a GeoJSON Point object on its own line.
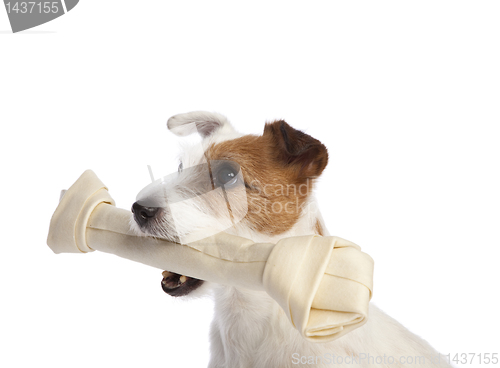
{"type": "Point", "coordinates": [323, 284]}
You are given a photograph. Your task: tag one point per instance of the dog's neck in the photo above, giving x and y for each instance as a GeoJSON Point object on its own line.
{"type": "Point", "coordinates": [252, 317]}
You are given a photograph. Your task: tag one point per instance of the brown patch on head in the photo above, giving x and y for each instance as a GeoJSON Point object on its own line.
{"type": "Point", "coordinates": [279, 168]}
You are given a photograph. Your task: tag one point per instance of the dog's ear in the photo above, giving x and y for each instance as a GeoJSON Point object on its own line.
{"type": "Point", "coordinates": [204, 122]}
{"type": "Point", "coordinates": [296, 149]}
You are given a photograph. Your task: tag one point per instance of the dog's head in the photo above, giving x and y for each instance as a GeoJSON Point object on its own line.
{"type": "Point", "coordinates": [243, 184]}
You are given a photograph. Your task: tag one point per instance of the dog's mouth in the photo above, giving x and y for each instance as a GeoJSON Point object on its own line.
{"type": "Point", "coordinates": [179, 285]}
{"type": "Point", "coordinates": [146, 221]}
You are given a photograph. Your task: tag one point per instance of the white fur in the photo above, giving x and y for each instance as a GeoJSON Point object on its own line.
{"type": "Point", "coordinates": [250, 329]}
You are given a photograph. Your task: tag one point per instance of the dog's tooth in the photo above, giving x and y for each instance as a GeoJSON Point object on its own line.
{"type": "Point", "coordinates": [183, 279]}
{"type": "Point", "coordinates": [166, 273]}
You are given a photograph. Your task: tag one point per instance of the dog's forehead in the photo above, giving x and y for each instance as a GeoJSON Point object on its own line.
{"type": "Point", "coordinates": [247, 150]}
{"type": "Point", "coordinates": [198, 153]}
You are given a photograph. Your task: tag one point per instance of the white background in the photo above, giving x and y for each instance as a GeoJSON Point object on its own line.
{"type": "Point", "coordinates": [404, 95]}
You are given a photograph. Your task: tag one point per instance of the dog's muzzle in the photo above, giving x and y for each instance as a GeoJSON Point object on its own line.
{"type": "Point", "coordinates": [172, 283]}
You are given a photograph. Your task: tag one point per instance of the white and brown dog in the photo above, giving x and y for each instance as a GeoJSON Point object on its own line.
{"type": "Point", "coordinates": [277, 173]}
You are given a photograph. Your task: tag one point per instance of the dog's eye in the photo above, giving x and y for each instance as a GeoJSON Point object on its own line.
{"type": "Point", "coordinates": [226, 176]}
{"type": "Point", "coordinates": [179, 169]}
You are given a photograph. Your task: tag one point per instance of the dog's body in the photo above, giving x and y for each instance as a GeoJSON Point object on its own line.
{"type": "Point", "coordinates": [250, 329]}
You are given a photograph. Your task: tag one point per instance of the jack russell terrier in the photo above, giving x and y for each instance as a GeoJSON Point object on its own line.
{"type": "Point", "coordinates": [278, 171]}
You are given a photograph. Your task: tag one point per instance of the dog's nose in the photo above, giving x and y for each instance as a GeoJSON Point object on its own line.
{"type": "Point", "coordinates": [143, 214]}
